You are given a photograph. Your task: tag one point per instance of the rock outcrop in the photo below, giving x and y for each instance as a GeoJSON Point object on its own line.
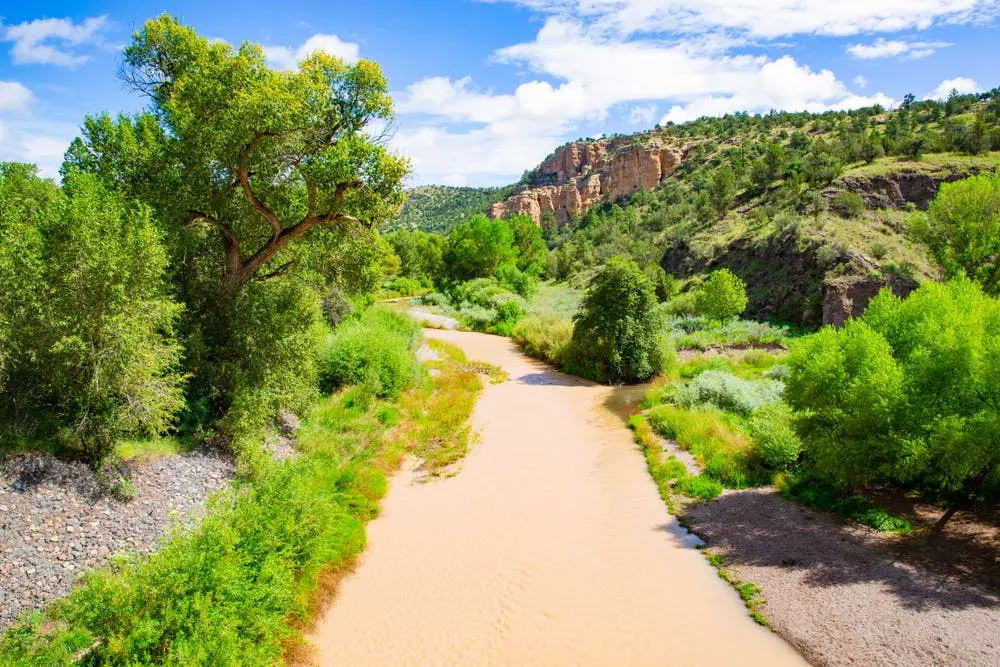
{"type": "Point", "coordinates": [581, 174]}
{"type": "Point", "coordinates": [788, 280]}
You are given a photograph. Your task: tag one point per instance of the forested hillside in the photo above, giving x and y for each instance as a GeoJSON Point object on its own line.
{"type": "Point", "coordinates": [811, 210]}
{"type": "Point", "coordinates": [438, 208]}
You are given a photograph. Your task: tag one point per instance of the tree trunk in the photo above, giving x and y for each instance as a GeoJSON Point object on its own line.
{"type": "Point", "coordinates": [961, 503]}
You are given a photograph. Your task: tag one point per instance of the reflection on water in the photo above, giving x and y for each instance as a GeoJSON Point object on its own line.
{"type": "Point", "coordinates": [623, 401]}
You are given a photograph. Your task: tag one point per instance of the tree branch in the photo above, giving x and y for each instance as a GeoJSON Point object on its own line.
{"type": "Point", "coordinates": [251, 196]}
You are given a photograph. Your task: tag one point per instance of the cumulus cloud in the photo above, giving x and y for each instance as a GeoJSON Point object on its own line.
{"type": "Point", "coordinates": [642, 114]}
{"type": "Point", "coordinates": [769, 18]}
{"type": "Point", "coordinates": [288, 58]}
{"type": "Point", "coordinates": [883, 48]}
{"type": "Point", "coordinates": [24, 138]}
{"type": "Point", "coordinates": [14, 96]}
{"type": "Point", "coordinates": [630, 57]}
{"type": "Point", "coordinates": [962, 84]}
{"type": "Point", "coordinates": [583, 74]}
{"type": "Point", "coordinates": [53, 41]}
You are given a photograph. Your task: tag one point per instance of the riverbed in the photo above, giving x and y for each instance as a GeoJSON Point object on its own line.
{"type": "Point", "coordinates": [550, 546]}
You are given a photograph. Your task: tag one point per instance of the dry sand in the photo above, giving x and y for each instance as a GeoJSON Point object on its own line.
{"type": "Point", "coordinates": [550, 547]}
{"type": "Point", "coordinates": [845, 595]}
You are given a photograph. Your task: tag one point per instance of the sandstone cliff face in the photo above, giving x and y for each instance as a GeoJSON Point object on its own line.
{"type": "Point", "coordinates": [581, 174]}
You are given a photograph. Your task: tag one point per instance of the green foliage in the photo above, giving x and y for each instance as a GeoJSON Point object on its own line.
{"type": "Point", "coordinates": [377, 349]}
{"type": "Point", "coordinates": [728, 392]}
{"type": "Point", "coordinates": [421, 255]}
{"type": "Point", "coordinates": [723, 296]}
{"type": "Point", "coordinates": [616, 337]}
{"type": "Point", "coordinates": [722, 450]}
{"type": "Point", "coordinates": [664, 284]}
{"type": "Point", "coordinates": [90, 351]}
{"type": "Point", "coordinates": [702, 487]}
{"type": "Point", "coordinates": [772, 432]}
{"type": "Point", "coordinates": [723, 189]}
{"type": "Point", "coordinates": [962, 229]}
{"type": "Point", "coordinates": [439, 208]}
{"type": "Point", "coordinates": [848, 204]}
{"type": "Point", "coordinates": [478, 247]}
{"type": "Point", "coordinates": [545, 337]}
{"type": "Point", "coordinates": [906, 394]}
{"type": "Point", "coordinates": [808, 489]}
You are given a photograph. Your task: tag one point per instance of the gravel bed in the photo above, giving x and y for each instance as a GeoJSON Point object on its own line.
{"type": "Point", "coordinates": [56, 521]}
{"type": "Point", "coordinates": [845, 595]}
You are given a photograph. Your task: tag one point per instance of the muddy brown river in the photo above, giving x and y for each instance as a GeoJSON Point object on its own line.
{"type": "Point", "coordinates": [550, 547]}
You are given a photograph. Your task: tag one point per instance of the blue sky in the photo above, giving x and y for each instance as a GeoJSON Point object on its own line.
{"type": "Point", "coordinates": [486, 89]}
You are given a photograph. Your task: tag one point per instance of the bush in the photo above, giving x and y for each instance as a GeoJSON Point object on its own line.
{"type": "Point", "coordinates": [485, 305]}
{"type": "Point", "coordinates": [699, 486]}
{"type": "Point", "coordinates": [848, 205]}
{"type": "Point", "coordinates": [879, 250]}
{"type": "Point", "coordinates": [683, 304]}
{"type": "Point", "coordinates": [545, 337]}
{"type": "Point", "coordinates": [90, 349]}
{"type": "Point", "coordinates": [402, 286]}
{"type": "Point", "coordinates": [905, 395]}
{"type": "Point", "coordinates": [616, 337]}
{"type": "Point", "coordinates": [962, 229]}
{"type": "Point", "coordinates": [723, 296]}
{"type": "Point", "coordinates": [773, 435]}
{"type": "Point", "coordinates": [376, 351]}
{"type": "Point", "coordinates": [728, 392]}
{"type": "Point", "coordinates": [720, 448]}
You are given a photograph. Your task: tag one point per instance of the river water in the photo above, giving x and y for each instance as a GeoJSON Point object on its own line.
{"type": "Point", "coordinates": [550, 547]}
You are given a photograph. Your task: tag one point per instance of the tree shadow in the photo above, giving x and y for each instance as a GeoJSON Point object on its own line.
{"type": "Point", "coordinates": [761, 528]}
{"type": "Point", "coordinates": [24, 474]}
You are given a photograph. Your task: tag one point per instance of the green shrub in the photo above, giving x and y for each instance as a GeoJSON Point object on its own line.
{"type": "Point", "coordinates": [699, 486]}
{"type": "Point", "coordinates": [685, 303]}
{"type": "Point", "coordinates": [879, 250]}
{"type": "Point", "coordinates": [720, 448]}
{"type": "Point", "coordinates": [87, 328]}
{"type": "Point", "coordinates": [616, 337]}
{"type": "Point", "coordinates": [545, 337]}
{"type": "Point", "coordinates": [906, 395]}
{"type": "Point", "coordinates": [962, 229]}
{"type": "Point", "coordinates": [848, 204]}
{"type": "Point", "coordinates": [722, 297]}
{"type": "Point", "coordinates": [376, 351]}
{"type": "Point", "coordinates": [773, 435]}
{"type": "Point", "coordinates": [728, 392]}
{"type": "Point", "coordinates": [402, 286]}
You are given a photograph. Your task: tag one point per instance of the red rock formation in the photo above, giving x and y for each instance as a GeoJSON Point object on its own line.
{"type": "Point", "coordinates": [580, 174]}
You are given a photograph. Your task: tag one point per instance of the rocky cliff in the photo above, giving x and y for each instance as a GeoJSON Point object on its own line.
{"type": "Point", "coordinates": [581, 174]}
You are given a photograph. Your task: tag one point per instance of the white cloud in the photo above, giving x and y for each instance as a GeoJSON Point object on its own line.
{"type": "Point", "coordinates": [582, 74]}
{"type": "Point", "coordinates": [962, 84]}
{"type": "Point", "coordinates": [768, 18]}
{"type": "Point", "coordinates": [642, 114]}
{"type": "Point", "coordinates": [52, 41]}
{"type": "Point", "coordinates": [883, 48]}
{"type": "Point", "coordinates": [287, 58]}
{"type": "Point", "coordinates": [860, 81]}
{"type": "Point", "coordinates": [14, 96]}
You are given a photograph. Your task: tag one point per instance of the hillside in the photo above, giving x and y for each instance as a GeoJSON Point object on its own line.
{"type": "Point", "coordinates": [811, 210]}
{"type": "Point", "coordinates": [438, 208]}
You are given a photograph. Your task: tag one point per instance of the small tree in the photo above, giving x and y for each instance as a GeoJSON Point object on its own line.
{"type": "Point", "coordinates": [723, 189]}
{"type": "Point", "coordinates": [723, 296]}
{"type": "Point", "coordinates": [963, 229]}
{"type": "Point", "coordinates": [616, 337]}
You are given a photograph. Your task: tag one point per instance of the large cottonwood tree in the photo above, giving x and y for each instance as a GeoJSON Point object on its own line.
{"type": "Point", "coordinates": [267, 159]}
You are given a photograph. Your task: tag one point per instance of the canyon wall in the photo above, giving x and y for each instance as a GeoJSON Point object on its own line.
{"type": "Point", "coordinates": [581, 174]}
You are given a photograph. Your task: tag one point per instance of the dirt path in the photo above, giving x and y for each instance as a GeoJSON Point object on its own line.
{"type": "Point", "coordinates": [550, 547]}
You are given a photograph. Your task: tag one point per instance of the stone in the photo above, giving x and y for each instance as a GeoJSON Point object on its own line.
{"type": "Point", "coordinates": [583, 173]}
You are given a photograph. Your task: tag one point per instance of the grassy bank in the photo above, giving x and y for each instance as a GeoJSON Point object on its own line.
{"type": "Point", "coordinates": [237, 588]}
